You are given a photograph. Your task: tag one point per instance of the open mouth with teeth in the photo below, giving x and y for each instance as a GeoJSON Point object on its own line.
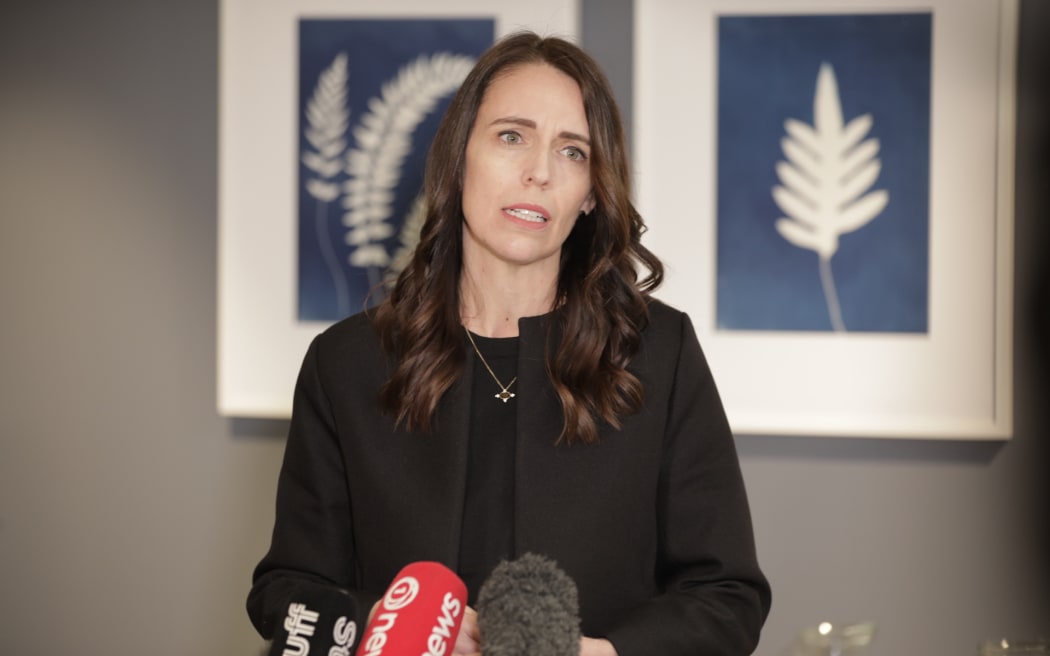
{"type": "Point", "coordinates": [526, 215]}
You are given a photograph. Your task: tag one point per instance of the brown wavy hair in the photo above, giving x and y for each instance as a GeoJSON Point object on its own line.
{"type": "Point", "coordinates": [602, 296]}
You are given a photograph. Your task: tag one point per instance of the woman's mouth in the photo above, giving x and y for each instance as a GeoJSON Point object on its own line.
{"type": "Point", "coordinates": [531, 216]}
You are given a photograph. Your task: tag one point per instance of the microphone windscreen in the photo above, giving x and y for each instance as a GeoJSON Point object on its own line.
{"type": "Point", "coordinates": [529, 607]}
{"type": "Point", "coordinates": [320, 620]}
{"type": "Point", "coordinates": [420, 613]}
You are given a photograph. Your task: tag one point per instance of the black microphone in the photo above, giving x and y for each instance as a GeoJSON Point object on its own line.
{"type": "Point", "coordinates": [320, 620]}
{"type": "Point", "coordinates": [529, 607]}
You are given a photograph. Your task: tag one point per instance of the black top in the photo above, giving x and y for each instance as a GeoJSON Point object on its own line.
{"type": "Point", "coordinates": [488, 529]}
{"type": "Point", "coordinates": [651, 521]}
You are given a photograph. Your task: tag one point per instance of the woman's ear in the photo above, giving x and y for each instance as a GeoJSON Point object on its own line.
{"type": "Point", "coordinates": [588, 204]}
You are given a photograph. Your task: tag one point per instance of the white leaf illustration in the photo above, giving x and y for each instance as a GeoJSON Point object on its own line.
{"type": "Point", "coordinates": [368, 233]}
{"type": "Point", "coordinates": [323, 191]}
{"type": "Point", "coordinates": [325, 167]}
{"type": "Point", "coordinates": [327, 118]}
{"type": "Point", "coordinates": [409, 236]}
{"type": "Point", "coordinates": [825, 182]}
{"type": "Point", "coordinates": [862, 153]}
{"type": "Point", "coordinates": [369, 256]}
{"type": "Point", "coordinates": [382, 141]}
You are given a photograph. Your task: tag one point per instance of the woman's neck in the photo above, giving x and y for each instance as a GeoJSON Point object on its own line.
{"type": "Point", "coordinates": [492, 300]}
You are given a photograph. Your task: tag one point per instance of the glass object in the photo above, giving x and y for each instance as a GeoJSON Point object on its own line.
{"type": "Point", "coordinates": [1006, 647]}
{"type": "Point", "coordinates": [827, 639]}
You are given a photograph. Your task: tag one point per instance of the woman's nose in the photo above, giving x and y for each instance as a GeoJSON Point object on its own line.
{"type": "Point", "coordinates": [538, 169]}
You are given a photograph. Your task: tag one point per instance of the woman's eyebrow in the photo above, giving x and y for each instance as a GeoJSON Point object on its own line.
{"type": "Point", "coordinates": [528, 123]}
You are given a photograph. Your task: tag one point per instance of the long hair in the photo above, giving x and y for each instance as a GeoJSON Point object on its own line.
{"type": "Point", "coordinates": [603, 298]}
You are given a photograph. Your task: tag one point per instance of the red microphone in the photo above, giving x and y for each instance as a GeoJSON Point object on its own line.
{"type": "Point", "coordinates": [419, 614]}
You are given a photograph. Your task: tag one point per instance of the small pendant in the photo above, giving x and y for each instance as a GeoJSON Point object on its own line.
{"type": "Point", "coordinates": [505, 396]}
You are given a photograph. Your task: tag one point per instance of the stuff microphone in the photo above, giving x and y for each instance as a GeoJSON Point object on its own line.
{"type": "Point", "coordinates": [320, 621]}
{"type": "Point", "coordinates": [420, 613]}
{"type": "Point", "coordinates": [529, 607]}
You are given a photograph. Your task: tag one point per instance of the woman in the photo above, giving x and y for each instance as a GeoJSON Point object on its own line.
{"type": "Point", "coordinates": [520, 391]}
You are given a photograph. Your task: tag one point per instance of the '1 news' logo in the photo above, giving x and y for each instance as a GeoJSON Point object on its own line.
{"type": "Point", "coordinates": [401, 593]}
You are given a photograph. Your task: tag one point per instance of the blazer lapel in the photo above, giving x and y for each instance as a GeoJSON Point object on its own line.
{"type": "Point", "coordinates": [447, 454]}
{"type": "Point", "coordinates": [540, 422]}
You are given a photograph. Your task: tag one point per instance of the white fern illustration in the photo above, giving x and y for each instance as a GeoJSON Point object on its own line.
{"type": "Point", "coordinates": [327, 120]}
{"type": "Point", "coordinates": [823, 182]}
{"type": "Point", "coordinates": [409, 236]}
{"type": "Point", "coordinates": [383, 139]}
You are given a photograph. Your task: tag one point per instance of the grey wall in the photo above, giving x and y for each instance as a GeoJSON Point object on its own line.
{"type": "Point", "coordinates": [131, 514]}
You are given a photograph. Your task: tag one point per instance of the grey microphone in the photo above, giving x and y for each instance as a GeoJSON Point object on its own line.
{"type": "Point", "coordinates": [529, 607]}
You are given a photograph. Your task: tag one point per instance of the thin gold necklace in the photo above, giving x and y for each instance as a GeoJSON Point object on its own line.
{"type": "Point", "coordinates": [503, 395]}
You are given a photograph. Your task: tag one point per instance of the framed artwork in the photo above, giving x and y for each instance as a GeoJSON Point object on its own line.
{"type": "Point", "coordinates": [830, 185]}
{"type": "Point", "coordinates": [327, 108]}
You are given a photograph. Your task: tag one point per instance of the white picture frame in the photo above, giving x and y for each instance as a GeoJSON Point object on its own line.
{"type": "Point", "coordinates": [260, 341]}
{"type": "Point", "coordinates": [954, 381]}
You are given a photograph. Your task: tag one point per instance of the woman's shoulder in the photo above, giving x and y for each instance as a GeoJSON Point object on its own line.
{"type": "Point", "coordinates": [664, 317]}
{"type": "Point", "coordinates": [354, 323]}
{"type": "Point", "coordinates": [658, 308]}
{"type": "Point", "coordinates": [356, 332]}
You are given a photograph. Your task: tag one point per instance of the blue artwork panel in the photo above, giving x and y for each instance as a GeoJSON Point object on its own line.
{"type": "Point", "coordinates": [823, 172]}
{"type": "Point", "coordinates": [371, 95]}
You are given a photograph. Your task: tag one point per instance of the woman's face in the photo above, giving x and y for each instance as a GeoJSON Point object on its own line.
{"type": "Point", "coordinates": [527, 174]}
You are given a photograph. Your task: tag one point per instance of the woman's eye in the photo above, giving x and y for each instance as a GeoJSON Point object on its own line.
{"type": "Point", "coordinates": [510, 137]}
{"type": "Point", "coordinates": [575, 154]}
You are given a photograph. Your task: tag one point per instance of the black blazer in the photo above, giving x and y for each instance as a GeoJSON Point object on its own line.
{"type": "Point", "coordinates": [652, 522]}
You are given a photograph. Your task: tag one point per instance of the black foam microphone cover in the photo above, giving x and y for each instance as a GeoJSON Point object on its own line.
{"type": "Point", "coordinates": [529, 607]}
